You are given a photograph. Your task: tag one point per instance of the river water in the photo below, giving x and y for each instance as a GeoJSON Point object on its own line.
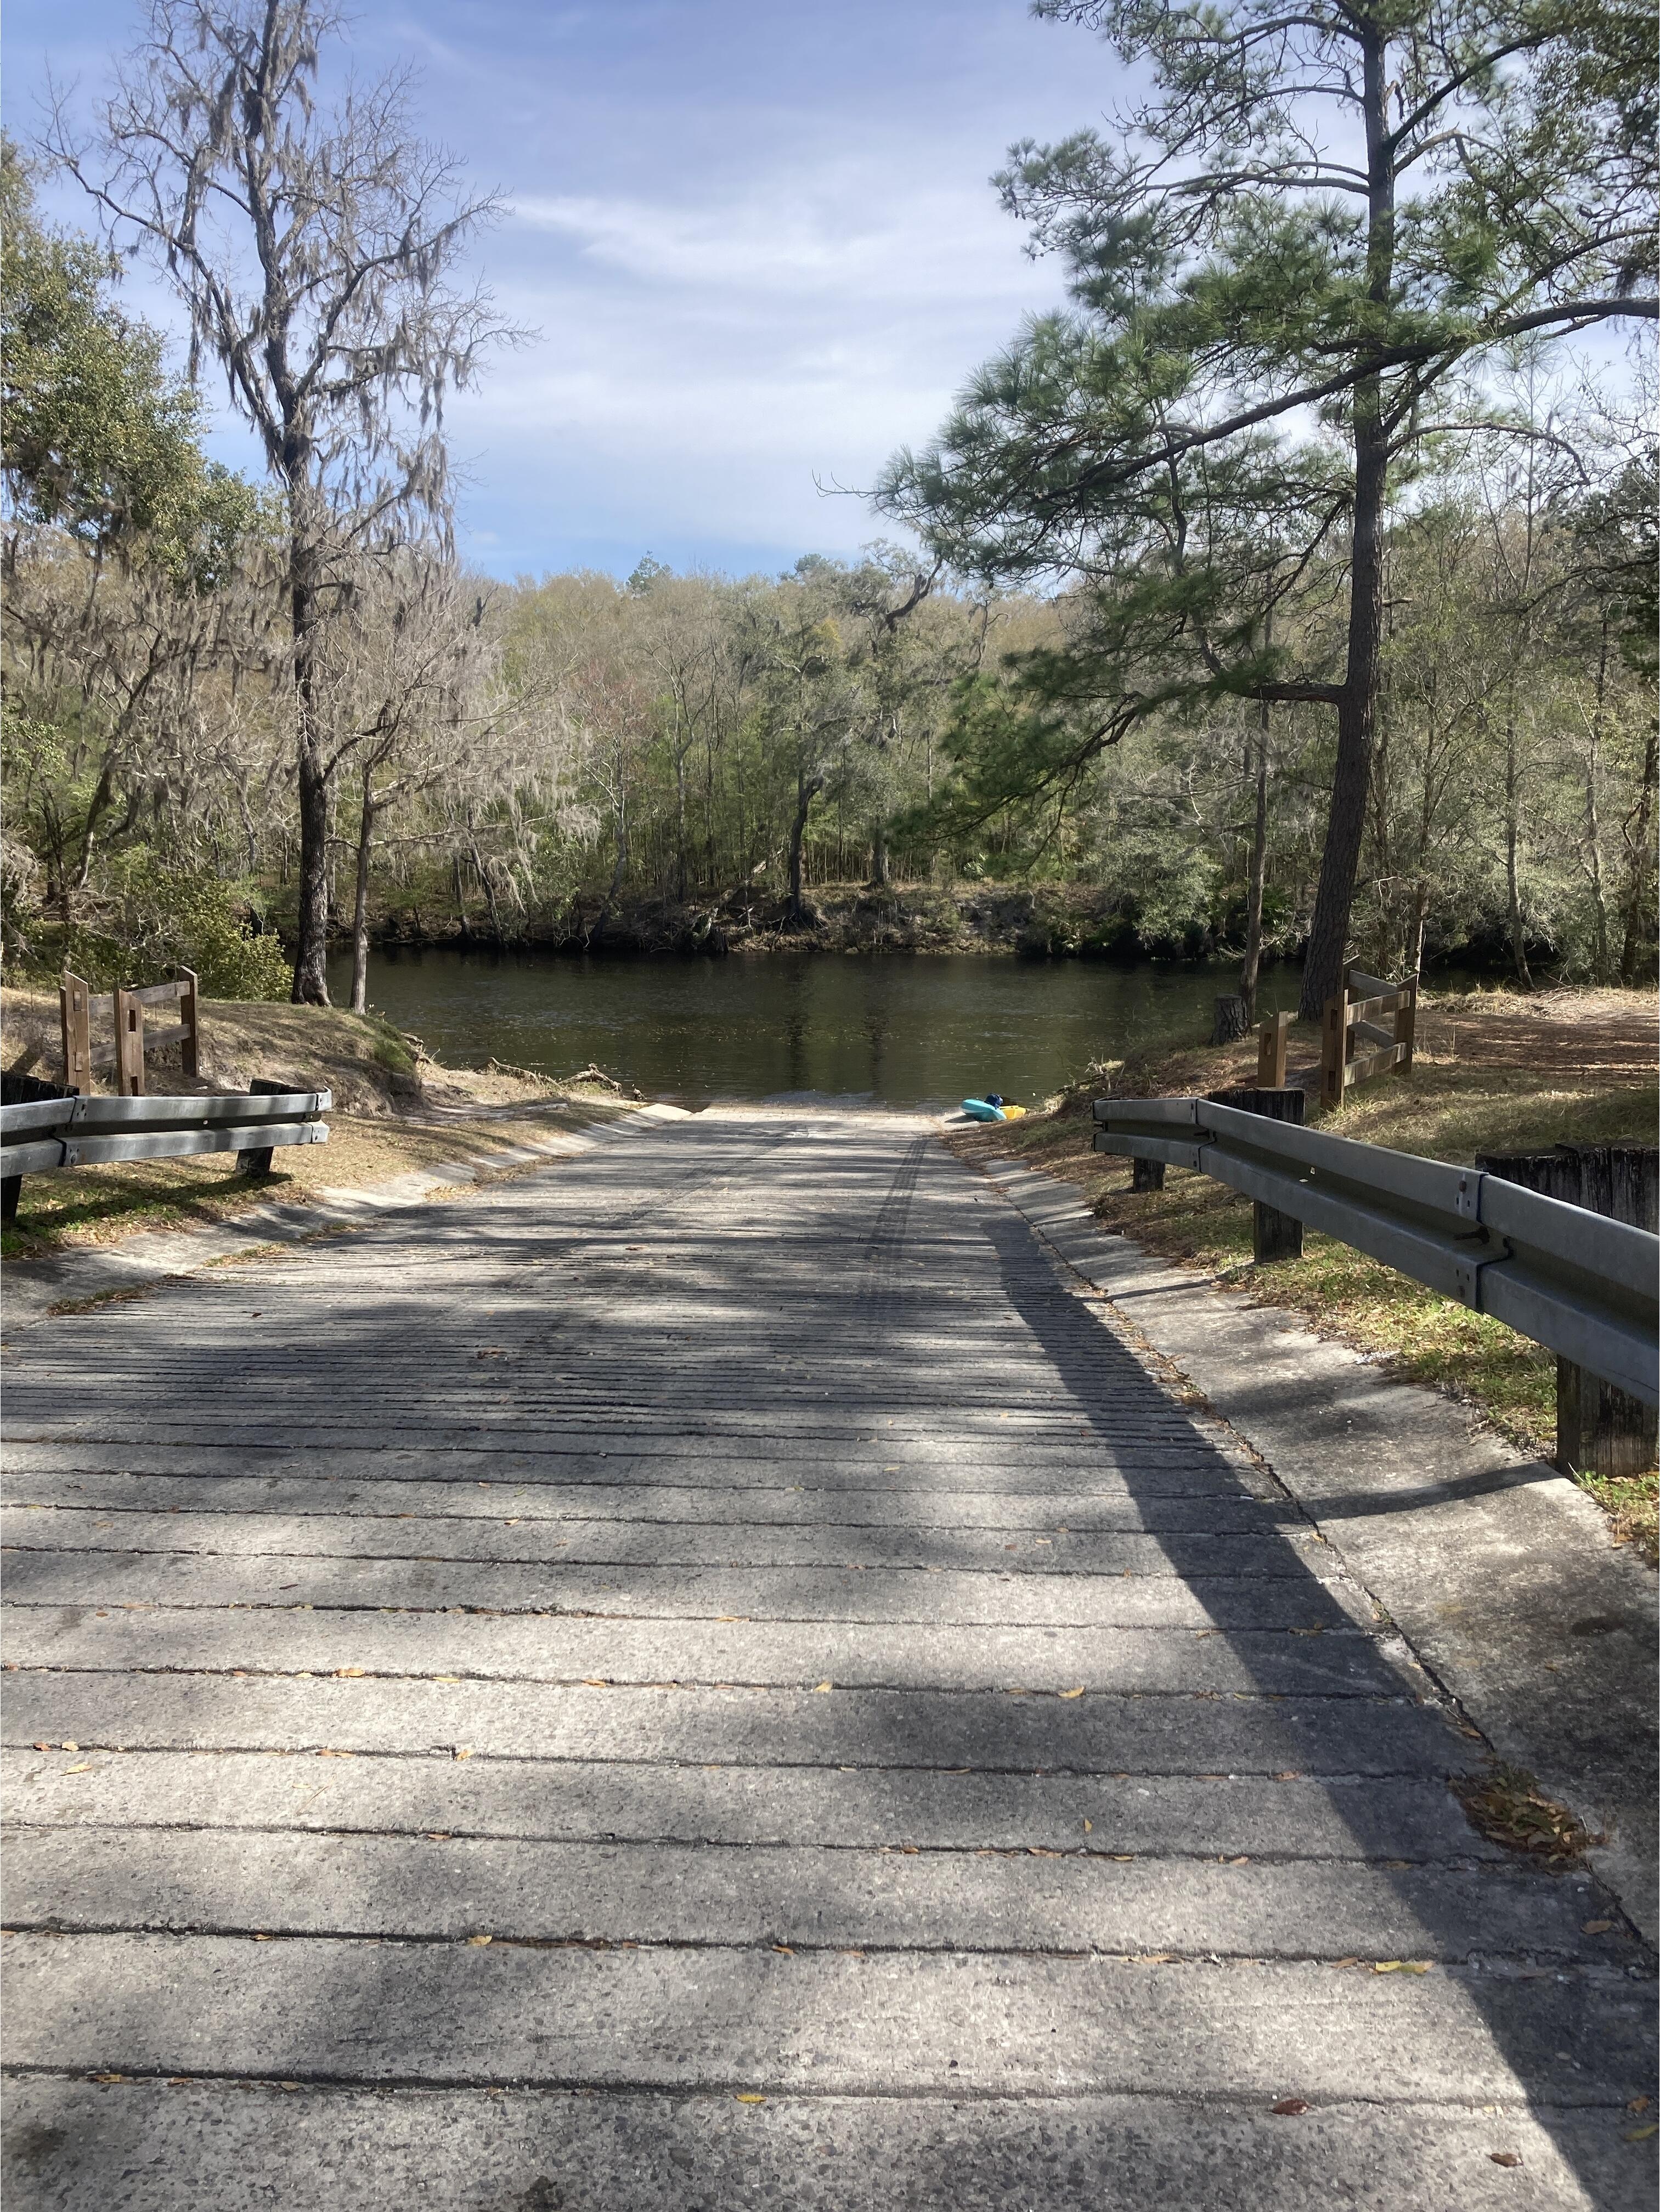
{"type": "Point", "coordinates": [897, 1029]}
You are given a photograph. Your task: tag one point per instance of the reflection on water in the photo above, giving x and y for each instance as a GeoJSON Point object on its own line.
{"type": "Point", "coordinates": [903, 1029]}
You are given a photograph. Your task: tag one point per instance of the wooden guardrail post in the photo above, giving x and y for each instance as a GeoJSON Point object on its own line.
{"type": "Point", "coordinates": [1272, 1045]}
{"type": "Point", "coordinates": [1146, 1175]}
{"type": "Point", "coordinates": [1274, 1235]}
{"type": "Point", "coordinates": [256, 1160]}
{"type": "Point", "coordinates": [75, 1017]}
{"type": "Point", "coordinates": [129, 1044]}
{"type": "Point", "coordinates": [1600, 1428]}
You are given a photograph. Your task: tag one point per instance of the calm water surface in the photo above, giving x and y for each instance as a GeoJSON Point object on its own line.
{"type": "Point", "coordinates": [903, 1029]}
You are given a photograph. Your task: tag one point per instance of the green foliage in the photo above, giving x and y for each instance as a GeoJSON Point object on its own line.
{"type": "Point", "coordinates": [156, 918]}
{"type": "Point", "coordinates": [99, 440]}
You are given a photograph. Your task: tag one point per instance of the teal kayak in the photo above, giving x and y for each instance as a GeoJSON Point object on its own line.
{"type": "Point", "coordinates": [977, 1110]}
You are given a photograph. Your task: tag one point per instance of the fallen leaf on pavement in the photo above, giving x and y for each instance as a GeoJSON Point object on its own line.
{"type": "Point", "coordinates": [748, 2096]}
{"type": "Point", "coordinates": [1078, 1693]}
{"type": "Point", "coordinates": [477, 1940]}
{"type": "Point", "coordinates": [1289, 2106]}
{"type": "Point", "coordinates": [1505, 2157]}
{"type": "Point", "coordinates": [1595, 1927]}
{"type": "Point", "coordinates": [1401, 1966]}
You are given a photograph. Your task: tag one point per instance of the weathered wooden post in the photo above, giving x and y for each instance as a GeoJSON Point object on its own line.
{"type": "Point", "coordinates": [1334, 1049]}
{"type": "Point", "coordinates": [1272, 1046]}
{"type": "Point", "coordinates": [1599, 1430]}
{"type": "Point", "coordinates": [1406, 1024]}
{"type": "Point", "coordinates": [1146, 1175]}
{"type": "Point", "coordinates": [75, 1017]}
{"type": "Point", "coordinates": [256, 1160]}
{"type": "Point", "coordinates": [129, 1044]}
{"type": "Point", "coordinates": [1274, 1235]}
{"type": "Point", "coordinates": [189, 1043]}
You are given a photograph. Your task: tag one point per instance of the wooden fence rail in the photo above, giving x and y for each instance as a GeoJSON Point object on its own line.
{"type": "Point", "coordinates": [78, 1008]}
{"type": "Point", "coordinates": [1354, 1019]}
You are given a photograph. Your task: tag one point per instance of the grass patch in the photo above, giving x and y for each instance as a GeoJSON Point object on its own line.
{"type": "Point", "coordinates": [1632, 1503]}
{"type": "Point", "coordinates": [1495, 1073]}
{"type": "Point", "coordinates": [74, 1206]}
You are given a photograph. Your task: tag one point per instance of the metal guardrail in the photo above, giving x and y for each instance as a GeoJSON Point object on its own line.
{"type": "Point", "coordinates": [48, 1133]}
{"type": "Point", "coordinates": [1585, 1287]}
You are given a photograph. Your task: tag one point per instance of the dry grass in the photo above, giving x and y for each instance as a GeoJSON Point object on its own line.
{"type": "Point", "coordinates": [1495, 1073]}
{"type": "Point", "coordinates": [394, 1114]}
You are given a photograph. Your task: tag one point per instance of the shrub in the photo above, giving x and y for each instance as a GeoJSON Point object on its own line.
{"type": "Point", "coordinates": [154, 918]}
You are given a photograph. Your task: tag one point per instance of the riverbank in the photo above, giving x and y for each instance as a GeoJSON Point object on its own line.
{"type": "Point", "coordinates": [1030, 921]}
{"type": "Point", "coordinates": [1494, 1072]}
{"type": "Point", "coordinates": [397, 1111]}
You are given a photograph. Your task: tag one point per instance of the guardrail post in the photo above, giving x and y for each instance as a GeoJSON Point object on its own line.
{"type": "Point", "coordinates": [1334, 1049]}
{"type": "Point", "coordinates": [189, 1044]}
{"type": "Point", "coordinates": [1272, 1046]}
{"type": "Point", "coordinates": [1600, 1428]}
{"type": "Point", "coordinates": [256, 1161]}
{"type": "Point", "coordinates": [1146, 1175]}
{"type": "Point", "coordinates": [75, 1017]}
{"type": "Point", "coordinates": [128, 1045]}
{"type": "Point", "coordinates": [1274, 1235]}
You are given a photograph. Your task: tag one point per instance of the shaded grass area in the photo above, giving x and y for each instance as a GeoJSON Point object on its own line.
{"type": "Point", "coordinates": [1495, 1073]}
{"type": "Point", "coordinates": [102, 1205]}
{"type": "Point", "coordinates": [396, 1111]}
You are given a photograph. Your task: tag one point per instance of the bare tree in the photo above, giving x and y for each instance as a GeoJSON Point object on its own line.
{"type": "Point", "coordinates": [316, 254]}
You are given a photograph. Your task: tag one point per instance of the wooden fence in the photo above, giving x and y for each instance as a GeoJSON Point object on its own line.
{"type": "Point", "coordinates": [1355, 1046]}
{"type": "Point", "coordinates": [78, 1008]}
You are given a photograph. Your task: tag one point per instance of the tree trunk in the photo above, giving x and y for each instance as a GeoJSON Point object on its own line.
{"type": "Point", "coordinates": [360, 910]}
{"type": "Point", "coordinates": [311, 981]}
{"type": "Point", "coordinates": [1602, 970]}
{"type": "Point", "coordinates": [1357, 707]}
{"type": "Point", "coordinates": [1518, 935]}
{"type": "Point", "coordinates": [1420, 902]}
{"type": "Point", "coordinates": [807, 788]}
{"type": "Point", "coordinates": [1638, 906]}
{"type": "Point", "coordinates": [680, 825]}
{"type": "Point", "coordinates": [1259, 875]}
{"type": "Point", "coordinates": [881, 874]}
{"type": "Point", "coordinates": [1357, 714]}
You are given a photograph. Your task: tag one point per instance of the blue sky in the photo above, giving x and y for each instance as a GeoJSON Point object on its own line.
{"type": "Point", "coordinates": [755, 237]}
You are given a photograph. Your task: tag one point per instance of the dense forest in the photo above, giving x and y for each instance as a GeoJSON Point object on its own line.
{"type": "Point", "coordinates": [246, 725]}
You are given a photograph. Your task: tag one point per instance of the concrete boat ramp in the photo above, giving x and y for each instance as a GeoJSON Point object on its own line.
{"type": "Point", "coordinates": [715, 1675]}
